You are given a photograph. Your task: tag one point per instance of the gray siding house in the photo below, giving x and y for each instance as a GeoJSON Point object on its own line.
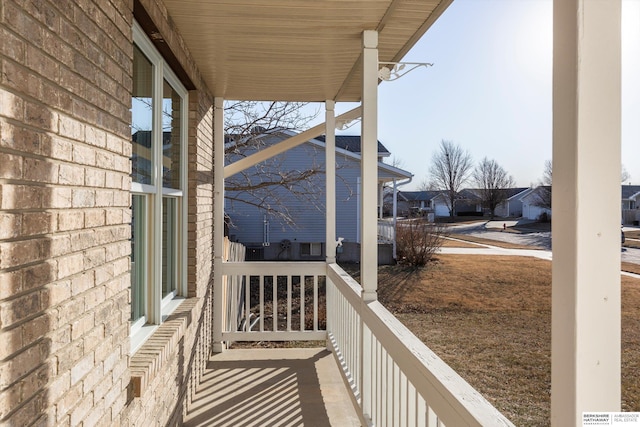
{"type": "Point", "coordinates": [257, 219]}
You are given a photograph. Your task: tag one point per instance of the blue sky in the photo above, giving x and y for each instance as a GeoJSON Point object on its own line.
{"type": "Point", "coordinates": [490, 89]}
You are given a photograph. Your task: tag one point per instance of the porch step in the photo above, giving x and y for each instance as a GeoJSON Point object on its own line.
{"type": "Point", "coordinates": [272, 387]}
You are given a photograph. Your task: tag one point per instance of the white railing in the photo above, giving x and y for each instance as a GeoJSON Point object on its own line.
{"type": "Point", "coordinates": [278, 301]}
{"type": "Point", "coordinates": [395, 379]}
{"type": "Point", "coordinates": [386, 232]}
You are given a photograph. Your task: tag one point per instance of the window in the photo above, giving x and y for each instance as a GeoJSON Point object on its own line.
{"type": "Point", "coordinates": [158, 171]}
{"type": "Point", "coordinates": [311, 249]}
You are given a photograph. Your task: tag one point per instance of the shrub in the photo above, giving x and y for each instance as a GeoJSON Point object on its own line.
{"type": "Point", "coordinates": [417, 242]}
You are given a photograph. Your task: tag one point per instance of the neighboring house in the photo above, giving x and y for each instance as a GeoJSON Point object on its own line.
{"type": "Point", "coordinates": [630, 197]}
{"type": "Point", "coordinates": [267, 237]}
{"type": "Point", "coordinates": [631, 204]}
{"type": "Point", "coordinates": [418, 203]}
{"type": "Point", "coordinates": [629, 194]}
{"type": "Point", "coordinates": [512, 207]}
{"type": "Point", "coordinates": [466, 202]}
{"type": "Point", "coordinates": [531, 203]}
{"type": "Point", "coordinates": [469, 202]}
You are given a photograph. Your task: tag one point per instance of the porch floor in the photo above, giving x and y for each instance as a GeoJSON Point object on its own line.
{"type": "Point", "coordinates": [272, 387]}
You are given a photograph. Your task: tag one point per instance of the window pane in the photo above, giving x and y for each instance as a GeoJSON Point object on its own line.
{"type": "Point", "coordinates": [171, 105]}
{"type": "Point", "coordinates": [169, 245]}
{"type": "Point", "coordinates": [138, 257]}
{"type": "Point", "coordinates": [141, 118]}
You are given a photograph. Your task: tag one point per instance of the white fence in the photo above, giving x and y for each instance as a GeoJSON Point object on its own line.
{"type": "Point", "coordinates": [394, 379]}
{"type": "Point", "coordinates": [386, 232]}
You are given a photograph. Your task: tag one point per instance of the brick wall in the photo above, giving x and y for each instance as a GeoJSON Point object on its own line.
{"type": "Point", "coordinates": [64, 180]}
{"type": "Point", "coordinates": [65, 84]}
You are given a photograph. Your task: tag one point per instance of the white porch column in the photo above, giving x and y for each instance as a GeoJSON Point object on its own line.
{"type": "Point", "coordinates": [330, 176]}
{"type": "Point", "coordinates": [585, 370]}
{"type": "Point", "coordinates": [381, 200]}
{"type": "Point", "coordinates": [218, 223]}
{"type": "Point", "coordinates": [395, 216]}
{"type": "Point", "coordinates": [369, 166]}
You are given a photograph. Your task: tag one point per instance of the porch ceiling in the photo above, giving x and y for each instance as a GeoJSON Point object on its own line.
{"type": "Point", "coordinates": [295, 50]}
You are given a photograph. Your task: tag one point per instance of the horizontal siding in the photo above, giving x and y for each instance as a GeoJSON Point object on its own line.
{"type": "Point", "coordinates": [308, 211]}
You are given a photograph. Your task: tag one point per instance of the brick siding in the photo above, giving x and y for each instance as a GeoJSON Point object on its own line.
{"type": "Point", "coordinates": [65, 85]}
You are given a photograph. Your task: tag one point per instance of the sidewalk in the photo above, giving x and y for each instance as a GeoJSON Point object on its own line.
{"type": "Point", "coordinates": [628, 255]}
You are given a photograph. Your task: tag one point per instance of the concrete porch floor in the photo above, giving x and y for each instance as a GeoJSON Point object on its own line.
{"type": "Point", "coordinates": [272, 387]}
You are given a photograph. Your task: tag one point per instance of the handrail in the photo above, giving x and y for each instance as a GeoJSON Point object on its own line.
{"type": "Point", "coordinates": [444, 395]}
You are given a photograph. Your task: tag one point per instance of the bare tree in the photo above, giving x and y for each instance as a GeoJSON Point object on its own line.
{"type": "Point", "coordinates": [624, 175]}
{"type": "Point", "coordinates": [251, 126]}
{"type": "Point", "coordinates": [450, 169]}
{"type": "Point", "coordinates": [543, 192]}
{"type": "Point", "coordinates": [492, 181]}
{"type": "Point", "coordinates": [426, 185]}
{"type": "Point", "coordinates": [396, 162]}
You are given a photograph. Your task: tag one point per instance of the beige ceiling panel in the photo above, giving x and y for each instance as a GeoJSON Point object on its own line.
{"type": "Point", "coordinates": [297, 50]}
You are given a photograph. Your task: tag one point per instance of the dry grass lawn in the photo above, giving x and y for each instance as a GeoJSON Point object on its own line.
{"type": "Point", "coordinates": [631, 267]}
{"type": "Point", "coordinates": [490, 319]}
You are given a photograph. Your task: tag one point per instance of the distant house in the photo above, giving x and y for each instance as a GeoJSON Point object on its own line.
{"type": "Point", "coordinates": [631, 197]}
{"type": "Point", "coordinates": [533, 199]}
{"type": "Point", "coordinates": [512, 207]}
{"type": "Point", "coordinates": [533, 203]}
{"type": "Point", "coordinates": [269, 238]}
{"type": "Point", "coordinates": [630, 204]}
{"type": "Point", "coordinates": [468, 201]}
{"type": "Point", "coordinates": [412, 203]}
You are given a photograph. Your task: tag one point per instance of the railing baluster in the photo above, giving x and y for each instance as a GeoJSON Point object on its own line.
{"type": "Point", "coordinates": [274, 309]}
{"type": "Point", "coordinates": [303, 283]}
{"type": "Point", "coordinates": [411, 404]}
{"type": "Point", "coordinates": [261, 284]}
{"type": "Point", "coordinates": [315, 303]}
{"type": "Point", "coordinates": [383, 403]}
{"type": "Point", "coordinates": [404, 402]}
{"type": "Point", "coordinates": [421, 411]}
{"type": "Point", "coordinates": [289, 279]}
{"type": "Point", "coordinates": [247, 303]}
{"type": "Point", "coordinates": [432, 419]}
{"type": "Point", "coordinates": [379, 383]}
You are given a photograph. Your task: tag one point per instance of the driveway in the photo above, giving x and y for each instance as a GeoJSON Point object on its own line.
{"type": "Point", "coordinates": [491, 230]}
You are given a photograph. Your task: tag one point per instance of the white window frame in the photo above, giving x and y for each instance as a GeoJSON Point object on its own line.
{"type": "Point", "coordinates": [158, 308]}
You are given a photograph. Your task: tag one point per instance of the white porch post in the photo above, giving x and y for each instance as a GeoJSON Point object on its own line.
{"type": "Point", "coordinates": [585, 370]}
{"type": "Point", "coordinates": [368, 213]}
{"type": "Point", "coordinates": [330, 176]}
{"type": "Point", "coordinates": [369, 166]}
{"type": "Point", "coordinates": [380, 200]}
{"type": "Point", "coordinates": [395, 215]}
{"type": "Point", "coordinates": [218, 223]}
